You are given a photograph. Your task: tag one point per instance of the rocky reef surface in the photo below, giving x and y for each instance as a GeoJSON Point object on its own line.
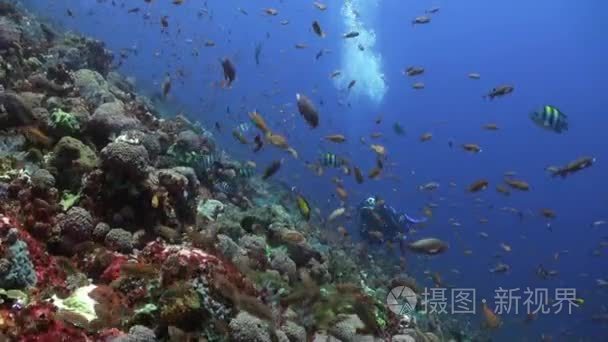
{"type": "Point", "coordinates": [120, 224]}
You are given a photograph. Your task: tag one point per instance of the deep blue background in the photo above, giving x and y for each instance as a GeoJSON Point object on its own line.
{"type": "Point", "coordinates": [554, 52]}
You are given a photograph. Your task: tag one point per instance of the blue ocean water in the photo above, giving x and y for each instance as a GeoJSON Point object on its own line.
{"type": "Point", "coordinates": [553, 52]}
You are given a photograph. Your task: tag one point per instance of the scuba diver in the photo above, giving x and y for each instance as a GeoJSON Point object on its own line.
{"type": "Point", "coordinates": [380, 222]}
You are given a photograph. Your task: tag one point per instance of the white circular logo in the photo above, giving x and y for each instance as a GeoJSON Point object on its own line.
{"type": "Point", "coordinates": [401, 300]}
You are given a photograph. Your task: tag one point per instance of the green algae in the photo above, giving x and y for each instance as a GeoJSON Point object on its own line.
{"type": "Point", "coordinates": [68, 200]}
{"type": "Point", "coordinates": [64, 121]}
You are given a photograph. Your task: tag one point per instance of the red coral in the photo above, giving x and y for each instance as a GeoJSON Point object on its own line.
{"type": "Point", "coordinates": [112, 272]}
{"type": "Point", "coordinates": [110, 307]}
{"type": "Point", "coordinates": [37, 209]}
{"type": "Point", "coordinates": [109, 334]}
{"type": "Point", "coordinates": [134, 289]}
{"type": "Point", "coordinates": [38, 324]}
{"type": "Point", "coordinates": [183, 263]}
{"type": "Point", "coordinates": [232, 274]}
{"type": "Point", "coordinates": [48, 273]}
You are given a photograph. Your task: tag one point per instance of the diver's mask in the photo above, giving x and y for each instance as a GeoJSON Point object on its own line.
{"type": "Point", "coordinates": [369, 203]}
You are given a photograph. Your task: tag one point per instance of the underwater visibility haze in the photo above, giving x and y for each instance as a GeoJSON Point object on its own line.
{"type": "Point", "coordinates": [282, 170]}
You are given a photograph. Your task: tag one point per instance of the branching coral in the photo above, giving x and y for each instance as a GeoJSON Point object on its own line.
{"type": "Point", "coordinates": [16, 269]}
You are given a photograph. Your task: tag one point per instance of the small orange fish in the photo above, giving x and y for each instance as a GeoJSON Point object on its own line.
{"type": "Point", "coordinates": [517, 184]}
{"type": "Point", "coordinates": [277, 140]}
{"type": "Point", "coordinates": [259, 122]}
{"type": "Point", "coordinates": [342, 193]}
{"type": "Point", "coordinates": [491, 320]}
{"type": "Point", "coordinates": [490, 127]}
{"type": "Point", "coordinates": [374, 173]}
{"type": "Point", "coordinates": [337, 138]}
{"type": "Point", "coordinates": [139, 270]}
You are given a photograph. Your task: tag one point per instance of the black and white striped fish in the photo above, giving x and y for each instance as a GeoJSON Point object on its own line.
{"type": "Point", "coordinates": [331, 160]}
{"type": "Point", "coordinates": [550, 118]}
{"type": "Point", "coordinates": [207, 161]}
{"type": "Point", "coordinates": [225, 187]}
{"type": "Point", "coordinates": [246, 172]}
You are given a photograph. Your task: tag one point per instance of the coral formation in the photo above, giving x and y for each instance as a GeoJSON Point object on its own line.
{"type": "Point", "coordinates": [247, 328]}
{"type": "Point", "coordinates": [119, 240]}
{"type": "Point", "coordinates": [119, 223]}
{"type": "Point", "coordinates": [16, 268]}
{"type": "Point", "coordinates": [210, 209]}
{"type": "Point", "coordinates": [77, 224]}
{"type": "Point", "coordinates": [126, 159]}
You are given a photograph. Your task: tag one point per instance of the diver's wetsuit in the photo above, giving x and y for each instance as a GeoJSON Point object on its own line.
{"type": "Point", "coordinates": [383, 218]}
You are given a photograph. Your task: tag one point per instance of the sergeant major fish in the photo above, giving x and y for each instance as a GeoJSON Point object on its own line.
{"type": "Point", "coordinates": [331, 160]}
{"type": "Point", "coordinates": [550, 118]}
